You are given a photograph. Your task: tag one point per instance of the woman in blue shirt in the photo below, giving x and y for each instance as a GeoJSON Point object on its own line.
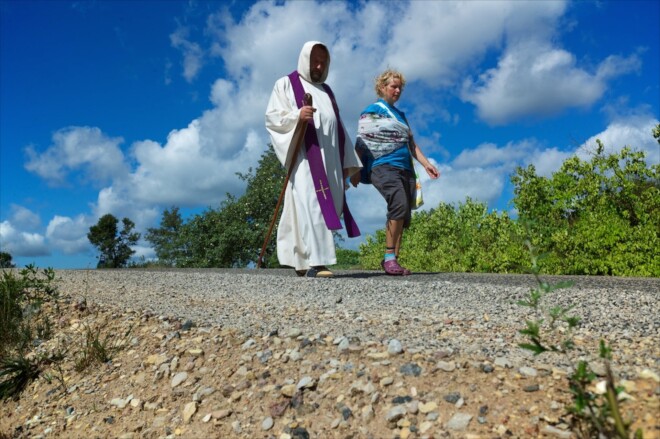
{"type": "Point", "coordinates": [386, 142]}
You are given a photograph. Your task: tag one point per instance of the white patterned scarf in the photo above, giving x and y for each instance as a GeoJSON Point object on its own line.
{"type": "Point", "coordinates": [382, 135]}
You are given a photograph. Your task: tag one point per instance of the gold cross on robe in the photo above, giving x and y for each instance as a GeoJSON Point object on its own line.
{"type": "Point", "coordinates": [322, 190]}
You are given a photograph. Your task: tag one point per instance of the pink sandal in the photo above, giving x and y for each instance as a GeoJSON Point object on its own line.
{"type": "Point", "coordinates": [393, 268]}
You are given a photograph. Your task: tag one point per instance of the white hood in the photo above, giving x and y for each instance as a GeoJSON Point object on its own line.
{"type": "Point", "coordinates": [304, 62]}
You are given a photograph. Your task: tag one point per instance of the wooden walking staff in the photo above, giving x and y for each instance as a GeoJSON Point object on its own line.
{"type": "Point", "coordinates": [294, 149]}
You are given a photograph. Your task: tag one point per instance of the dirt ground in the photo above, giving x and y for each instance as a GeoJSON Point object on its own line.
{"type": "Point", "coordinates": [166, 379]}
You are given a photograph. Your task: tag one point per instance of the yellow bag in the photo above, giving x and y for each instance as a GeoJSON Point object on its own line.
{"type": "Point", "coordinates": [419, 200]}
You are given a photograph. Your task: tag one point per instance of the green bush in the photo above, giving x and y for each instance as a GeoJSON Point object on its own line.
{"type": "Point", "coordinates": [600, 216]}
{"type": "Point", "coordinates": [448, 239]}
{"type": "Point", "coordinates": [592, 217]}
{"type": "Point", "coordinates": [22, 324]}
{"type": "Point", "coordinates": [347, 259]}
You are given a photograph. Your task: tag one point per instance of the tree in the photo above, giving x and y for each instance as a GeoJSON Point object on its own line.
{"type": "Point", "coordinates": [114, 245]}
{"type": "Point", "coordinates": [168, 240]}
{"type": "Point", "coordinates": [597, 216]}
{"type": "Point", "coordinates": [6, 260]}
{"type": "Point", "coordinates": [232, 235]}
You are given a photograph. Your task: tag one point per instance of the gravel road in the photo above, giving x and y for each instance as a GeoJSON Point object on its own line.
{"type": "Point", "coordinates": [471, 314]}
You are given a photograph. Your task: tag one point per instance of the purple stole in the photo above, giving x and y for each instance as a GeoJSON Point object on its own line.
{"type": "Point", "coordinates": [323, 194]}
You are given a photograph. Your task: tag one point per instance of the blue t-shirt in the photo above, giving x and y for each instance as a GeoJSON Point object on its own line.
{"type": "Point", "coordinates": [401, 157]}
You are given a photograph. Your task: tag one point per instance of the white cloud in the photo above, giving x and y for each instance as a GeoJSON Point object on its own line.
{"type": "Point", "coordinates": [79, 148]}
{"type": "Point", "coordinates": [193, 54]}
{"type": "Point", "coordinates": [117, 201]}
{"type": "Point", "coordinates": [489, 154]}
{"type": "Point", "coordinates": [368, 208]}
{"type": "Point", "coordinates": [634, 131]}
{"type": "Point", "coordinates": [548, 161]}
{"type": "Point", "coordinates": [19, 243]}
{"type": "Point", "coordinates": [455, 185]}
{"type": "Point", "coordinates": [435, 41]}
{"type": "Point", "coordinates": [69, 235]}
{"type": "Point", "coordinates": [535, 79]}
{"type": "Point", "coordinates": [24, 218]}
{"type": "Point", "coordinates": [615, 65]}
{"type": "Point", "coordinates": [143, 252]}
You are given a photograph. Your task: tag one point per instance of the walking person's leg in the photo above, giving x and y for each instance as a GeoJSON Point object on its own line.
{"type": "Point", "coordinates": [392, 183]}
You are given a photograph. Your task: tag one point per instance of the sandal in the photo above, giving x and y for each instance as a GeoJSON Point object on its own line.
{"type": "Point", "coordinates": [319, 271]}
{"type": "Point", "coordinates": [301, 273]}
{"type": "Point", "coordinates": [393, 268]}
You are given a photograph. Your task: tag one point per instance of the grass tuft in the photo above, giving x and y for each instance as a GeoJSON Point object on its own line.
{"type": "Point", "coordinates": [16, 374]}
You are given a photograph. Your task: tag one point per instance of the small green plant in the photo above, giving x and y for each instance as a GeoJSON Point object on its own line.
{"type": "Point", "coordinates": [592, 415]}
{"type": "Point", "coordinates": [56, 371]}
{"type": "Point", "coordinates": [97, 349]}
{"type": "Point", "coordinates": [598, 415]}
{"type": "Point", "coordinates": [547, 318]}
{"type": "Point", "coordinates": [15, 374]}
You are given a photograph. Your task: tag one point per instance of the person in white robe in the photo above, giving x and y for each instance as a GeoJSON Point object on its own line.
{"type": "Point", "coordinates": [303, 238]}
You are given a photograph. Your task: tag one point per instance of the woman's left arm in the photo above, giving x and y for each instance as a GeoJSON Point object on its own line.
{"type": "Point", "coordinates": [421, 158]}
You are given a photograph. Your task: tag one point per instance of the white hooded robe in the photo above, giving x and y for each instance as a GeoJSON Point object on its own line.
{"type": "Point", "coordinates": [303, 239]}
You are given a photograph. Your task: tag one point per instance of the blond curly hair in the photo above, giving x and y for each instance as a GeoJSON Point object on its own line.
{"type": "Point", "coordinates": [385, 77]}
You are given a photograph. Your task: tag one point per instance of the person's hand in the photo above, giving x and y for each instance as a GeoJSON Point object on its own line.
{"type": "Point", "coordinates": [307, 113]}
{"type": "Point", "coordinates": [355, 179]}
{"type": "Point", "coordinates": [432, 171]}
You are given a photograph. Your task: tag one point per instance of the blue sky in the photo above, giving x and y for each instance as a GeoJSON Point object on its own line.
{"type": "Point", "coordinates": [130, 107]}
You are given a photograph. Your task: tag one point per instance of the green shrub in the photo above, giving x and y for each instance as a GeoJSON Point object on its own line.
{"type": "Point", "coordinates": [22, 323]}
{"type": "Point", "coordinates": [466, 238]}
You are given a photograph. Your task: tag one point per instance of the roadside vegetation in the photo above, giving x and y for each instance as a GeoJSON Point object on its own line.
{"type": "Point", "coordinates": [23, 325]}
{"type": "Point", "coordinates": [594, 216]}
{"type": "Point", "coordinates": [29, 316]}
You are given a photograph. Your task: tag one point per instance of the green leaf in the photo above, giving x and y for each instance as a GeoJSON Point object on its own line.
{"type": "Point", "coordinates": [537, 349]}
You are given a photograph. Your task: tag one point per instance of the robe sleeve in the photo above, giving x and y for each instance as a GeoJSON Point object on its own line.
{"type": "Point", "coordinates": [352, 163]}
{"type": "Point", "coordinates": [281, 119]}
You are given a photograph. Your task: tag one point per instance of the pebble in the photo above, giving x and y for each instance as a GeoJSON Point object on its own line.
{"type": "Point", "coordinates": [649, 374]}
{"type": "Point", "coordinates": [503, 362]}
{"type": "Point", "coordinates": [428, 407]}
{"type": "Point", "coordinates": [531, 388]}
{"type": "Point", "coordinates": [394, 347]}
{"type": "Point", "coordinates": [221, 414]}
{"type": "Point", "coordinates": [556, 432]}
{"type": "Point", "coordinates": [395, 413]}
{"type": "Point", "coordinates": [459, 421]}
{"type": "Point", "coordinates": [267, 423]}
{"type": "Point", "coordinates": [188, 411]}
{"type": "Point", "coordinates": [306, 383]}
{"type": "Point", "coordinates": [528, 371]}
{"type": "Point", "coordinates": [179, 378]}
{"type": "Point", "coordinates": [387, 381]}
{"type": "Point", "coordinates": [447, 366]}
{"type": "Point", "coordinates": [411, 369]}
